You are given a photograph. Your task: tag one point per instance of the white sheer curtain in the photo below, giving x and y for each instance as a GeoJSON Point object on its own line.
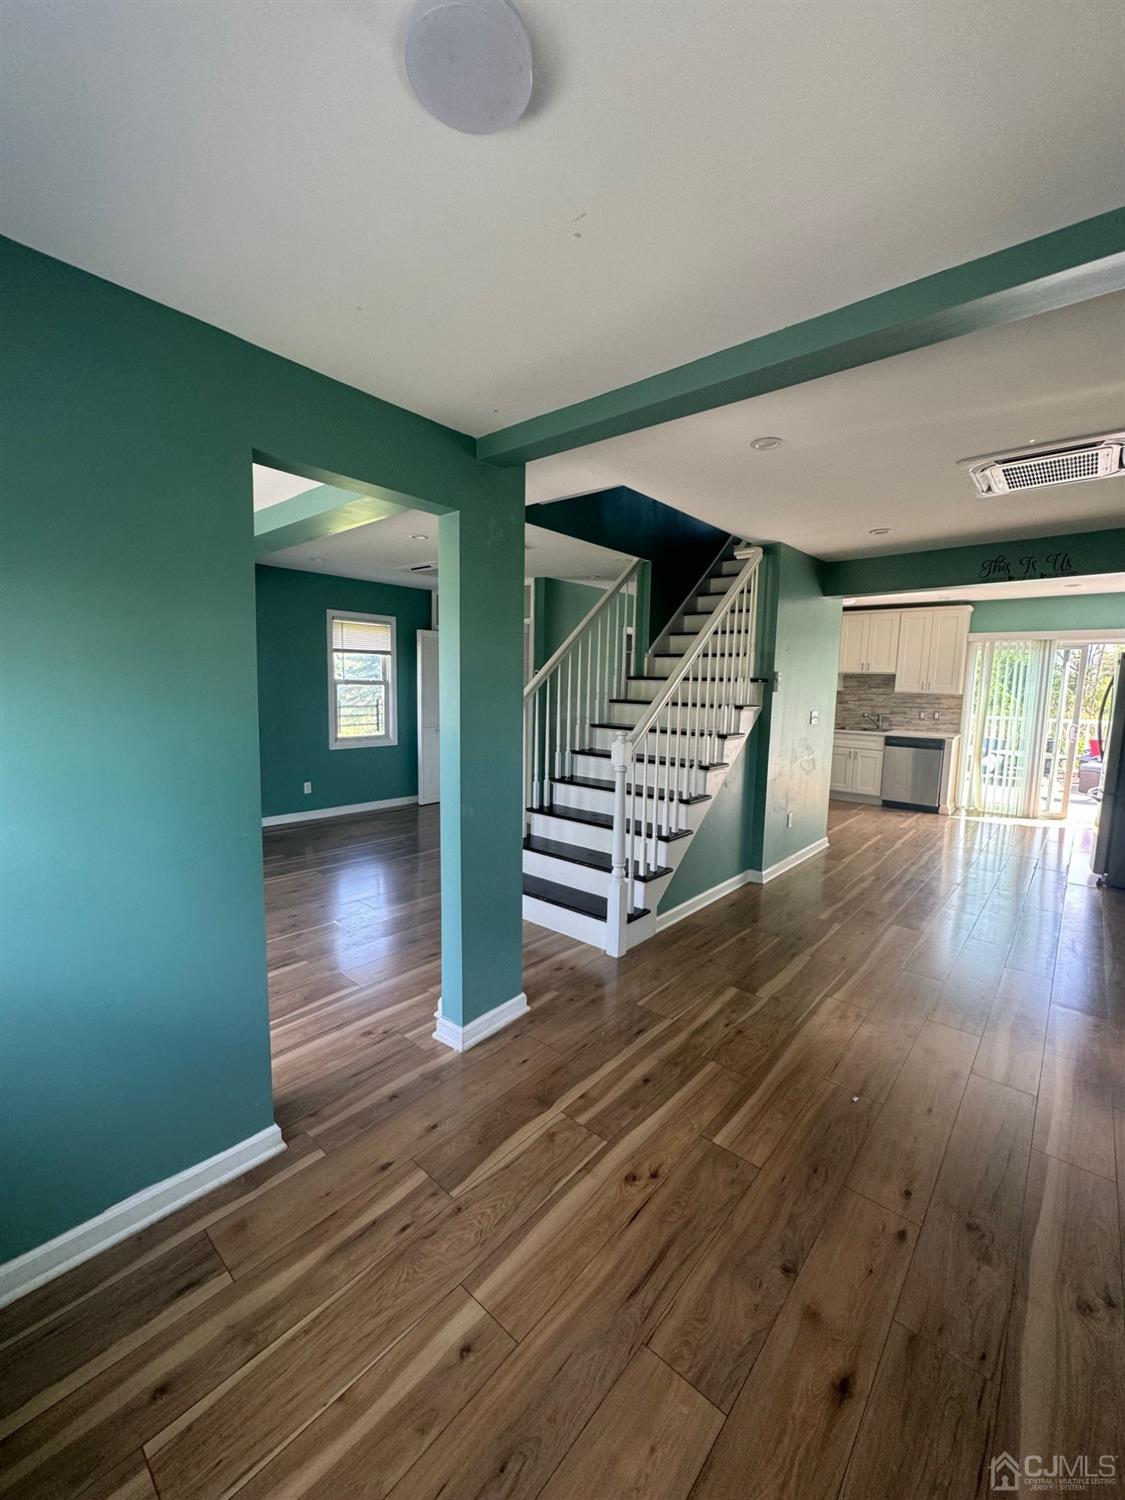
{"type": "Point", "coordinates": [1003, 767]}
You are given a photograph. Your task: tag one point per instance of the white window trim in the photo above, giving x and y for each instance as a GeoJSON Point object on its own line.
{"type": "Point", "coordinates": [370, 742]}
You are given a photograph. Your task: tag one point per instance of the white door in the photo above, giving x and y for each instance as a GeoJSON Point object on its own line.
{"type": "Point", "coordinates": [882, 640]}
{"type": "Point", "coordinates": [868, 772]}
{"type": "Point", "coordinates": [913, 651]}
{"type": "Point", "coordinates": [841, 770]}
{"type": "Point", "coordinates": [428, 731]}
{"type": "Point", "coordinates": [853, 643]}
{"type": "Point", "coordinates": [948, 642]}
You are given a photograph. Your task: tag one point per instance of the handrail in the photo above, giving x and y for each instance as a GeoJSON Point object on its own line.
{"type": "Point", "coordinates": [694, 651]}
{"type": "Point", "coordinates": [586, 621]}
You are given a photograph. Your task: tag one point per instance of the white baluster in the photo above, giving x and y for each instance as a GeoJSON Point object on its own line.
{"type": "Point", "coordinates": [619, 900]}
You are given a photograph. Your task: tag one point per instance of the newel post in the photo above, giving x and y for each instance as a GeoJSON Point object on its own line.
{"type": "Point", "coordinates": [619, 903]}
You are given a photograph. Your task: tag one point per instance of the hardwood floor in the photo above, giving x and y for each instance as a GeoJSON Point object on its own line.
{"type": "Point", "coordinates": [814, 1195]}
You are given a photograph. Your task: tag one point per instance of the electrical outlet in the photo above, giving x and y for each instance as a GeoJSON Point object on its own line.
{"type": "Point", "coordinates": [308, 787]}
{"type": "Point", "coordinates": [937, 715]}
{"type": "Point", "coordinates": [921, 713]}
{"type": "Point", "coordinates": [789, 820]}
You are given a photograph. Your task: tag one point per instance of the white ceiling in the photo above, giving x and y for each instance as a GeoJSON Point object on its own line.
{"type": "Point", "coordinates": [381, 550]}
{"type": "Point", "coordinates": [1030, 588]}
{"type": "Point", "coordinates": [878, 446]}
{"type": "Point", "coordinates": [690, 174]}
{"type": "Point", "coordinates": [271, 486]}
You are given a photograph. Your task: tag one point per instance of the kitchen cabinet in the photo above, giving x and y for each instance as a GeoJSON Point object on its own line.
{"type": "Point", "coordinates": [857, 765]}
{"type": "Point", "coordinates": [869, 641]}
{"type": "Point", "coordinates": [932, 645]}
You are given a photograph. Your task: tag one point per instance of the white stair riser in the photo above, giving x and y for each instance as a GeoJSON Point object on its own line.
{"type": "Point", "coordinates": [577, 877]}
{"type": "Point", "coordinates": [594, 799]}
{"type": "Point", "coordinates": [573, 924]}
{"type": "Point", "coordinates": [643, 690]}
{"type": "Point", "coordinates": [706, 604]}
{"type": "Point", "coordinates": [628, 715]}
{"type": "Point", "coordinates": [662, 666]}
{"type": "Point", "coordinates": [731, 568]}
{"type": "Point", "coordinates": [598, 768]}
{"type": "Point", "coordinates": [657, 742]}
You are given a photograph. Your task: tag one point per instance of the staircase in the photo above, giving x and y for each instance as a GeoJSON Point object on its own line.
{"type": "Point", "coordinates": [621, 766]}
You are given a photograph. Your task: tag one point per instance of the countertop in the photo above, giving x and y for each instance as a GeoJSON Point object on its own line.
{"type": "Point", "coordinates": [904, 734]}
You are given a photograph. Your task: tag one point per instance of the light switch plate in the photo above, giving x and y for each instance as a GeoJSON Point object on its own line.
{"type": "Point", "coordinates": [814, 715]}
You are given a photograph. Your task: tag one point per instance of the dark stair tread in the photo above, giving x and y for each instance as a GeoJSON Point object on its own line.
{"type": "Point", "coordinates": [605, 820]}
{"type": "Point", "coordinates": [593, 859]}
{"type": "Point", "coordinates": [607, 786]}
{"type": "Point", "coordinates": [584, 902]}
{"type": "Point", "coordinates": [715, 734]}
{"type": "Point", "coordinates": [660, 760]}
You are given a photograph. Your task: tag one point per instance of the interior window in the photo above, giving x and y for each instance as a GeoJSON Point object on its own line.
{"type": "Point", "coordinates": [361, 680]}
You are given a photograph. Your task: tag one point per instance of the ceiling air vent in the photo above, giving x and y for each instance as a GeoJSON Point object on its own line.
{"type": "Point", "coordinates": [428, 569]}
{"type": "Point", "coordinates": [1068, 461]}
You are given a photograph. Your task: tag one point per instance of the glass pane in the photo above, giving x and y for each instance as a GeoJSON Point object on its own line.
{"type": "Point", "coordinates": [358, 666]}
{"type": "Point", "coordinates": [360, 635]}
{"type": "Point", "coordinates": [361, 710]}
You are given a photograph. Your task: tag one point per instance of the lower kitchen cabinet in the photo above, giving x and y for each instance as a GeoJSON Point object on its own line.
{"type": "Point", "coordinates": [857, 766]}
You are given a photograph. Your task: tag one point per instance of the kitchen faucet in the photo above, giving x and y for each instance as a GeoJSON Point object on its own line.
{"type": "Point", "coordinates": [876, 719]}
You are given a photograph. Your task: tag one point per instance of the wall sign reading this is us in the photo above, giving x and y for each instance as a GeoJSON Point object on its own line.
{"type": "Point", "coordinates": [1005, 569]}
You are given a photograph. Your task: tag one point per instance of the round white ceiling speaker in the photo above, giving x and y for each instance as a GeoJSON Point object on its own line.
{"type": "Point", "coordinates": [469, 63]}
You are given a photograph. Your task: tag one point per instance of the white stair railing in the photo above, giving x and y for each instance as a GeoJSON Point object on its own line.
{"type": "Point", "coordinates": [660, 764]}
{"type": "Point", "coordinates": [572, 689]}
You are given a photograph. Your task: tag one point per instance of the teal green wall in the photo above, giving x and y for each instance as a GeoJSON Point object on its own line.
{"type": "Point", "coordinates": [132, 977]}
{"type": "Point", "coordinates": [559, 607]}
{"type": "Point", "coordinates": [806, 653]}
{"type": "Point", "coordinates": [786, 763]}
{"type": "Point", "coordinates": [291, 609]}
{"type": "Point", "coordinates": [1065, 612]}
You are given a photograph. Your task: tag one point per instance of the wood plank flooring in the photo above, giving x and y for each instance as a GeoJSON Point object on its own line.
{"type": "Point", "coordinates": [817, 1194]}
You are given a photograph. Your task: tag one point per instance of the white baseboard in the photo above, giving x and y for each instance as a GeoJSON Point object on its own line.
{"type": "Point", "coordinates": [324, 814]}
{"type": "Point", "coordinates": [726, 887]}
{"type": "Point", "coordinates": [461, 1038]}
{"type": "Point", "coordinates": [705, 898]}
{"type": "Point", "coordinates": [69, 1249]}
{"type": "Point", "coordinates": [763, 877]}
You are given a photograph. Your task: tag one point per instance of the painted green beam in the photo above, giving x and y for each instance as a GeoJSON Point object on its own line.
{"type": "Point", "coordinates": [1075, 555]}
{"type": "Point", "coordinates": [1070, 265]}
{"type": "Point", "coordinates": [316, 513]}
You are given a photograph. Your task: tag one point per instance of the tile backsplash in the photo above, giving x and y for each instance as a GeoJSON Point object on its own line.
{"type": "Point", "coordinates": [870, 693]}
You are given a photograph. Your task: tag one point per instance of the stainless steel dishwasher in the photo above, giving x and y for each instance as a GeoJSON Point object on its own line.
{"type": "Point", "coordinates": [912, 773]}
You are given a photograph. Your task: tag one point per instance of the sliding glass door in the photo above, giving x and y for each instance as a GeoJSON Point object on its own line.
{"type": "Point", "coordinates": [1031, 724]}
{"type": "Point", "coordinates": [1001, 764]}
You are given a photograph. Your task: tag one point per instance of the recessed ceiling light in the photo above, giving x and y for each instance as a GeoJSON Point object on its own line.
{"type": "Point", "coordinates": [469, 63]}
{"type": "Point", "coordinates": [879, 531]}
{"type": "Point", "coordinates": [761, 444]}
{"type": "Point", "coordinates": [419, 536]}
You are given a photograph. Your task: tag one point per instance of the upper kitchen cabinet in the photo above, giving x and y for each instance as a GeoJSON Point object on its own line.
{"type": "Point", "coordinates": [931, 649]}
{"type": "Point", "coordinates": [869, 641]}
